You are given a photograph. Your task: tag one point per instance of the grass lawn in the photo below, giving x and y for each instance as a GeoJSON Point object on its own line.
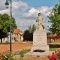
{"type": "Point", "coordinates": [52, 49]}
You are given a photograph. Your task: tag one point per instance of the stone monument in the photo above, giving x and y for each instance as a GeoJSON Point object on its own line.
{"type": "Point", "coordinates": [40, 37]}
{"type": "Point", "coordinates": [40, 46]}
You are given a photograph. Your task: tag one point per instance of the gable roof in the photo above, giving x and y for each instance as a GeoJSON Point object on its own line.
{"type": "Point", "coordinates": [53, 36]}
{"type": "Point", "coordinates": [17, 31]}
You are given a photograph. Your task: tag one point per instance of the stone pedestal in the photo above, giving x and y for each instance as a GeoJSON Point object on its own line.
{"type": "Point", "coordinates": [40, 41]}
{"type": "Point", "coordinates": [40, 38]}
{"type": "Point", "coordinates": [40, 46]}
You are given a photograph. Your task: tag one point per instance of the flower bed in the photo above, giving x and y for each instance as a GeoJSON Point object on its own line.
{"type": "Point", "coordinates": [58, 53]}
{"type": "Point", "coordinates": [7, 55]}
{"type": "Point", "coordinates": [53, 56]}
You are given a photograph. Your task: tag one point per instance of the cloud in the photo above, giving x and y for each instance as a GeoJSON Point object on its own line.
{"type": "Point", "coordinates": [2, 4]}
{"type": "Point", "coordinates": [25, 15]}
{"type": "Point", "coordinates": [19, 4]}
{"type": "Point", "coordinates": [31, 13]}
{"type": "Point", "coordinates": [45, 10]}
{"type": "Point", "coordinates": [4, 11]}
{"type": "Point", "coordinates": [25, 22]}
{"type": "Point", "coordinates": [19, 8]}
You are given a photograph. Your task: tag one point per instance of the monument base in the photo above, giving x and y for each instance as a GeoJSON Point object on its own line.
{"type": "Point", "coordinates": [40, 42]}
{"type": "Point", "coordinates": [40, 49]}
{"type": "Point", "coordinates": [41, 54]}
{"type": "Point", "coordinates": [35, 56]}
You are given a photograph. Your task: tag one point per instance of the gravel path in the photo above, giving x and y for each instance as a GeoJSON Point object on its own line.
{"type": "Point", "coordinates": [15, 46]}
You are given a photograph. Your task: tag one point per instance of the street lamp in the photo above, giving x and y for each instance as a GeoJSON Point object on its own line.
{"type": "Point", "coordinates": [7, 4]}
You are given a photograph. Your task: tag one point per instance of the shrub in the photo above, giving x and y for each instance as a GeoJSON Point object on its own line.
{"type": "Point", "coordinates": [6, 56]}
{"type": "Point", "coordinates": [53, 56]}
{"type": "Point", "coordinates": [22, 52]}
{"type": "Point", "coordinates": [58, 53]}
{"type": "Point", "coordinates": [10, 55]}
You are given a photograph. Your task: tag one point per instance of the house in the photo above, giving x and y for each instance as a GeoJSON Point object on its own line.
{"type": "Point", "coordinates": [53, 38]}
{"type": "Point", "coordinates": [17, 35]}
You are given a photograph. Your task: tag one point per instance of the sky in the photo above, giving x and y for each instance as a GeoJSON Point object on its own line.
{"type": "Point", "coordinates": [25, 12]}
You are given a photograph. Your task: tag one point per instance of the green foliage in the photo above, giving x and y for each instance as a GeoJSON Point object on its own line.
{"type": "Point", "coordinates": [55, 19]}
{"type": "Point", "coordinates": [10, 55]}
{"type": "Point", "coordinates": [5, 22]}
{"type": "Point", "coordinates": [58, 53]}
{"type": "Point", "coordinates": [22, 52]}
{"type": "Point", "coordinates": [52, 49]}
{"type": "Point", "coordinates": [7, 55]}
{"type": "Point", "coordinates": [28, 34]}
{"type": "Point", "coordinates": [32, 28]}
{"type": "Point", "coordinates": [5, 25]}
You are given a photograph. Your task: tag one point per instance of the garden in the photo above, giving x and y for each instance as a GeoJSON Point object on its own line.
{"type": "Point", "coordinates": [19, 55]}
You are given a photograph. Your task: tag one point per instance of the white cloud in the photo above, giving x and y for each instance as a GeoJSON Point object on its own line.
{"type": "Point", "coordinates": [24, 14]}
{"type": "Point", "coordinates": [19, 4]}
{"type": "Point", "coordinates": [4, 11]}
{"type": "Point", "coordinates": [45, 10]}
{"type": "Point", "coordinates": [31, 13]}
{"type": "Point", "coordinates": [2, 4]}
{"type": "Point", "coordinates": [15, 5]}
{"type": "Point", "coordinates": [25, 22]}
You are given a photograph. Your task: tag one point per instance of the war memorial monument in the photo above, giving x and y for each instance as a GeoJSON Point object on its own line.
{"type": "Point", "coordinates": [40, 46]}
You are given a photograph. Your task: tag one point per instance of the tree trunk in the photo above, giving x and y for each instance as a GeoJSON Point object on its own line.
{"type": "Point", "coordinates": [1, 40]}
{"type": "Point", "coordinates": [1, 37]}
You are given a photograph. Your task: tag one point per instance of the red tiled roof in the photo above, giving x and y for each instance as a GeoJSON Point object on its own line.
{"type": "Point", "coordinates": [52, 36]}
{"type": "Point", "coordinates": [17, 31]}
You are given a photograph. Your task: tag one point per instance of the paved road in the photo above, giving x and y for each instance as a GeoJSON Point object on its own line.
{"type": "Point", "coordinates": [15, 46]}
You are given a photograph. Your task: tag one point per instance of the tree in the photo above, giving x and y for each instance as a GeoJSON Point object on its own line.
{"type": "Point", "coordinates": [32, 28]}
{"type": "Point", "coordinates": [28, 34]}
{"type": "Point", "coordinates": [5, 25]}
{"type": "Point", "coordinates": [55, 19]}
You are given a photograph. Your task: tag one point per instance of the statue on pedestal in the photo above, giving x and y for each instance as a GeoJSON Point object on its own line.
{"type": "Point", "coordinates": [40, 46]}
{"type": "Point", "coordinates": [40, 23]}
